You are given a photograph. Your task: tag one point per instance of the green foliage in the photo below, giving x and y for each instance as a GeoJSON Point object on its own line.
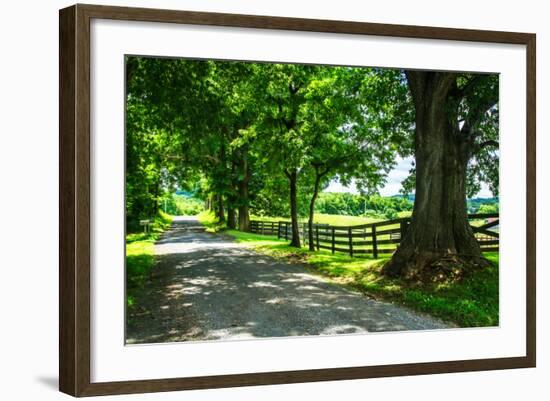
{"type": "Point", "coordinates": [470, 302]}
{"type": "Point", "coordinates": [232, 133]}
{"type": "Point", "coordinates": [160, 223]}
{"type": "Point", "coordinates": [209, 219]}
{"type": "Point", "coordinates": [271, 195]}
{"type": "Point", "coordinates": [481, 205]}
{"type": "Point", "coordinates": [488, 208]}
{"type": "Point", "coordinates": [357, 205]}
{"type": "Point", "coordinates": [180, 205]}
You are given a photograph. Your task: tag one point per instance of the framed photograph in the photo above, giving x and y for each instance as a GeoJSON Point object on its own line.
{"type": "Point", "coordinates": [249, 200]}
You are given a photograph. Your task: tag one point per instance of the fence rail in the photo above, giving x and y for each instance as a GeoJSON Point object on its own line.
{"type": "Point", "coordinates": [373, 238]}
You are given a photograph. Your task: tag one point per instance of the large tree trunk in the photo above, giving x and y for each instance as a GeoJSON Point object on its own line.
{"type": "Point", "coordinates": [439, 242]}
{"type": "Point", "coordinates": [318, 176]}
{"type": "Point", "coordinates": [292, 176]}
{"type": "Point", "coordinates": [155, 205]}
{"type": "Point", "coordinates": [219, 208]}
{"type": "Point", "coordinates": [232, 200]}
{"type": "Point", "coordinates": [231, 218]}
{"type": "Point", "coordinates": [244, 214]}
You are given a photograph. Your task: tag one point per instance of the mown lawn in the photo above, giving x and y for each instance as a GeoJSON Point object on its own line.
{"type": "Point", "coordinates": [140, 255]}
{"type": "Point", "coordinates": [470, 302]}
{"type": "Point", "coordinates": [332, 219]}
{"type": "Point", "coordinates": [320, 218]}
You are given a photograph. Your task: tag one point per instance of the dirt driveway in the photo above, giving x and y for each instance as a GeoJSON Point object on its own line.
{"type": "Point", "coordinates": [207, 287]}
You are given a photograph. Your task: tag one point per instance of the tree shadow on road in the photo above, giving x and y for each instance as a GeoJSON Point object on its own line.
{"type": "Point", "coordinates": [220, 291]}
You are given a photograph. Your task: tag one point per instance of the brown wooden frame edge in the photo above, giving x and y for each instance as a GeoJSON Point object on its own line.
{"type": "Point", "coordinates": [74, 199]}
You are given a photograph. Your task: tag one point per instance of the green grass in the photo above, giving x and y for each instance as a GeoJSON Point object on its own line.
{"type": "Point", "coordinates": [320, 218]}
{"type": "Point", "coordinates": [341, 220]}
{"type": "Point", "coordinates": [471, 302]}
{"type": "Point", "coordinates": [140, 255]}
{"type": "Point", "coordinates": [332, 219]}
{"type": "Point", "coordinates": [208, 219]}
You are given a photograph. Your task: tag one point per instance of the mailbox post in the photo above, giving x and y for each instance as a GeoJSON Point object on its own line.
{"type": "Point", "coordinates": [145, 223]}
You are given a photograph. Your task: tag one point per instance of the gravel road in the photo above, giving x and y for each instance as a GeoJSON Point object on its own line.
{"type": "Point", "coordinates": [207, 287]}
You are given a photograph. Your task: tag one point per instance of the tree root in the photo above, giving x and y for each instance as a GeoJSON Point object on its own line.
{"type": "Point", "coordinates": [434, 267]}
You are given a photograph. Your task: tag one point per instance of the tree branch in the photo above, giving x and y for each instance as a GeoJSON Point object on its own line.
{"type": "Point", "coordinates": [461, 92]}
{"type": "Point", "coordinates": [486, 144]}
{"type": "Point", "coordinates": [212, 158]}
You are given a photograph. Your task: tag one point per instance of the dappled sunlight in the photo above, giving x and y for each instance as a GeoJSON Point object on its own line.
{"type": "Point", "coordinates": [206, 287]}
{"type": "Point", "coordinates": [263, 284]}
{"type": "Point", "coordinates": [307, 287]}
{"type": "Point", "coordinates": [302, 277]}
{"type": "Point", "coordinates": [343, 329]}
{"type": "Point", "coordinates": [275, 301]}
{"type": "Point", "coordinates": [235, 333]}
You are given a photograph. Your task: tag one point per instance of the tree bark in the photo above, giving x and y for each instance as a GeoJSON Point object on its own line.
{"type": "Point", "coordinates": [232, 200]}
{"type": "Point", "coordinates": [231, 218]}
{"type": "Point", "coordinates": [244, 214]}
{"type": "Point", "coordinates": [318, 175]}
{"type": "Point", "coordinates": [211, 202]}
{"type": "Point", "coordinates": [156, 191]}
{"type": "Point", "coordinates": [292, 176]}
{"type": "Point", "coordinates": [219, 209]}
{"type": "Point", "coordinates": [439, 242]}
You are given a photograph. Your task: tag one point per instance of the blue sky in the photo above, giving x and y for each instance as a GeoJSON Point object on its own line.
{"type": "Point", "coordinates": [393, 184]}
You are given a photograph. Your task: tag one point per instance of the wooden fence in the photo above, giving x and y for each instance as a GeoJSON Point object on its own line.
{"type": "Point", "coordinates": [373, 238]}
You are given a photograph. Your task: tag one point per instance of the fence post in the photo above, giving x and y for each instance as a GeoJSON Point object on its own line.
{"type": "Point", "coordinates": [317, 235]}
{"type": "Point", "coordinates": [279, 230]}
{"type": "Point", "coordinates": [304, 225]}
{"type": "Point", "coordinates": [350, 238]}
{"type": "Point", "coordinates": [333, 242]}
{"type": "Point", "coordinates": [286, 230]}
{"type": "Point", "coordinates": [262, 227]}
{"type": "Point", "coordinates": [374, 243]}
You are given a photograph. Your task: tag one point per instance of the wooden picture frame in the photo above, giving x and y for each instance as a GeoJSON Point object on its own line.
{"type": "Point", "coordinates": [74, 201]}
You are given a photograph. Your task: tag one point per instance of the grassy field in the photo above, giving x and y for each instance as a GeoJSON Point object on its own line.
{"type": "Point", "coordinates": [471, 302]}
{"type": "Point", "coordinates": [332, 219]}
{"type": "Point", "coordinates": [208, 218]}
{"type": "Point", "coordinates": [140, 255]}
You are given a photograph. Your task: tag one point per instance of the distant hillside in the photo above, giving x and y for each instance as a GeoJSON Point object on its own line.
{"type": "Point", "coordinates": [476, 203]}
{"type": "Point", "coordinates": [187, 194]}
{"type": "Point", "coordinates": [473, 204]}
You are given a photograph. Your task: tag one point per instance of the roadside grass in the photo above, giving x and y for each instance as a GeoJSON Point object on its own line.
{"type": "Point", "coordinates": [209, 219]}
{"type": "Point", "coordinates": [140, 255]}
{"type": "Point", "coordinates": [470, 302]}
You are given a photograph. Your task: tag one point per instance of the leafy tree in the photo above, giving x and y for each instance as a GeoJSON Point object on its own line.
{"type": "Point", "coordinates": [343, 138]}
{"type": "Point", "coordinates": [456, 120]}
{"type": "Point", "coordinates": [165, 100]}
{"type": "Point", "coordinates": [283, 88]}
{"type": "Point", "coordinates": [359, 205]}
{"type": "Point", "coordinates": [488, 208]}
{"type": "Point", "coordinates": [249, 134]}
